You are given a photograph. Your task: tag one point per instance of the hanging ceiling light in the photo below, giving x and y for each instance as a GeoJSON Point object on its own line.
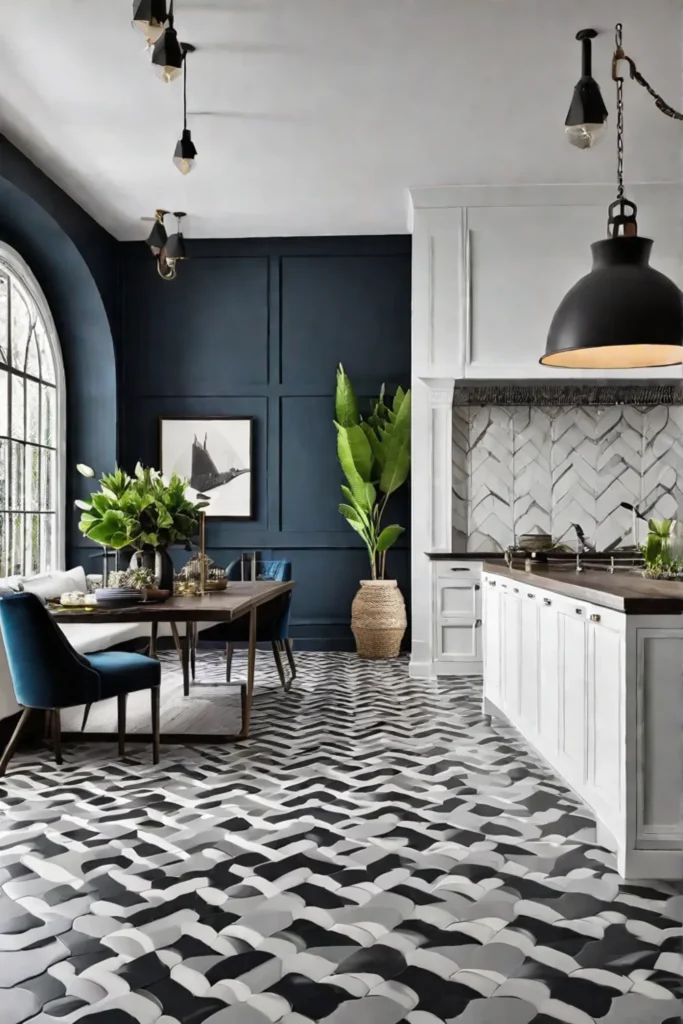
{"type": "Point", "coordinates": [185, 151]}
{"type": "Point", "coordinates": [150, 17]}
{"type": "Point", "coordinates": [623, 314]}
{"type": "Point", "coordinates": [167, 56]}
{"type": "Point", "coordinates": [166, 250]}
{"type": "Point", "coordinates": [175, 247]}
{"type": "Point", "coordinates": [586, 121]}
{"type": "Point", "coordinates": [158, 237]}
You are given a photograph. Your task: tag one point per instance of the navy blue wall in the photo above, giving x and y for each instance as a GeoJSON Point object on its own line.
{"type": "Point", "coordinates": [76, 263]}
{"type": "Point", "coordinates": [256, 327]}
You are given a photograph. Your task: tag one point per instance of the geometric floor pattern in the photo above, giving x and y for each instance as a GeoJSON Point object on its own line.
{"type": "Point", "coordinates": [376, 853]}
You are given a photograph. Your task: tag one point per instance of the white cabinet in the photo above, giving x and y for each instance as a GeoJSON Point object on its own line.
{"type": "Point", "coordinates": [572, 647]}
{"type": "Point", "coordinates": [491, 265]}
{"type": "Point", "coordinates": [491, 626]}
{"type": "Point", "coordinates": [456, 617]}
{"type": "Point", "coordinates": [605, 707]}
{"type": "Point", "coordinates": [511, 623]}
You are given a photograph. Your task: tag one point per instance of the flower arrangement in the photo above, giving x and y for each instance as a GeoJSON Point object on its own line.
{"type": "Point", "coordinates": [139, 511]}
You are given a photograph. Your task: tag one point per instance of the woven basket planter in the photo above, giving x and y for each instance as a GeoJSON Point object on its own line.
{"type": "Point", "coordinates": [378, 619]}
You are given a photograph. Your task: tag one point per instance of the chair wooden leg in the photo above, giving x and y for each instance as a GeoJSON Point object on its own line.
{"type": "Point", "coordinates": [86, 712]}
{"type": "Point", "coordinates": [14, 739]}
{"type": "Point", "coordinates": [185, 645]}
{"type": "Point", "coordinates": [57, 734]}
{"type": "Point", "coordinates": [290, 658]}
{"type": "Point", "coordinates": [228, 661]}
{"type": "Point", "coordinates": [153, 640]}
{"type": "Point", "coordinates": [121, 703]}
{"type": "Point", "coordinates": [48, 724]}
{"type": "Point", "coordinates": [278, 664]}
{"type": "Point", "coordinates": [243, 699]}
{"type": "Point", "coordinates": [155, 724]}
{"type": "Point", "coordinates": [176, 641]}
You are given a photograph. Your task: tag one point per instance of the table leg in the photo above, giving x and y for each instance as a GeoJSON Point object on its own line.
{"type": "Point", "coordinates": [153, 640]}
{"type": "Point", "coordinates": [176, 641]}
{"type": "Point", "coordinates": [185, 643]}
{"type": "Point", "coordinates": [194, 633]}
{"type": "Point", "coordinates": [251, 666]}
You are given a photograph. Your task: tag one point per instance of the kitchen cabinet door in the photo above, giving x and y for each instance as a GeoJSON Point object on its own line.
{"type": "Point", "coordinates": [511, 625]}
{"type": "Point", "coordinates": [572, 693]}
{"type": "Point", "coordinates": [548, 676]}
{"type": "Point", "coordinates": [529, 664]}
{"type": "Point", "coordinates": [491, 615]}
{"type": "Point", "coordinates": [605, 706]}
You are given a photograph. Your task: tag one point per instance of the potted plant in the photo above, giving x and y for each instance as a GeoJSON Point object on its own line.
{"type": "Point", "coordinates": [374, 454]}
{"type": "Point", "coordinates": [143, 511]}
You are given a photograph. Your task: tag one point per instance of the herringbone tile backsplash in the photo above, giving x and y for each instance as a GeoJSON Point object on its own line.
{"type": "Point", "coordinates": [526, 468]}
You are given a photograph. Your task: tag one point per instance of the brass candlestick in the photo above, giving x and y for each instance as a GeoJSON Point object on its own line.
{"type": "Point", "coordinates": [202, 553]}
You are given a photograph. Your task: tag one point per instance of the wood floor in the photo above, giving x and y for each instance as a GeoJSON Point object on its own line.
{"type": "Point", "coordinates": [212, 707]}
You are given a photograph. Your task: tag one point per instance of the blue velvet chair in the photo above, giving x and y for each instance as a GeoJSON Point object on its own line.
{"type": "Point", "coordinates": [272, 621]}
{"type": "Point", "coordinates": [48, 674]}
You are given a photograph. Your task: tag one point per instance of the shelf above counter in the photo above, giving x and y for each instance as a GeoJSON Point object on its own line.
{"type": "Point", "coordinates": [620, 591]}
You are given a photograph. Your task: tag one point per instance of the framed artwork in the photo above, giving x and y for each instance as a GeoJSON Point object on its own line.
{"type": "Point", "coordinates": [216, 456]}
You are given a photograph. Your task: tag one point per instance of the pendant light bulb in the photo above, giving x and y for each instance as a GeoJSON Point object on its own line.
{"type": "Point", "coordinates": [185, 154]}
{"type": "Point", "coordinates": [167, 55]}
{"type": "Point", "coordinates": [150, 18]}
{"type": "Point", "coordinates": [586, 121]}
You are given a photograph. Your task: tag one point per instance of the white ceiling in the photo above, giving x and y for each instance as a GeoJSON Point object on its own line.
{"type": "Point", "coordinates": [313, 116]}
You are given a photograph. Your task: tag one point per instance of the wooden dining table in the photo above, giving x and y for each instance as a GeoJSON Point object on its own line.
{"type": "Point", "coordinates": [238, 600]}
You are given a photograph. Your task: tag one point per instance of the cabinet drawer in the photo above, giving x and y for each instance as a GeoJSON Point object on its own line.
{"type": "Point", "coordinates": [458, 598]}
{"type": "Point", "coordinates": [460, 642]}
{"type": "Point", "coordinates": [458, 570]}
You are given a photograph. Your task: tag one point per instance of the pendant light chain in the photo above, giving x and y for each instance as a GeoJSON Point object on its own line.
{"type": "Point", "coordinates": [184, 91]}
{"type": "Point", "coordinates": [619, 53]}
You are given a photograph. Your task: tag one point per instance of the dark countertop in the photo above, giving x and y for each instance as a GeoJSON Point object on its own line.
{"type": "Point", "coordinates": [622, 592]}
{"type": "Point", "coordinates": [464, 556]}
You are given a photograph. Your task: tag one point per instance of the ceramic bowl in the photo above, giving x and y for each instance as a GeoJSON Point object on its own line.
{"type": "Point", "coordinates": [535, 541]}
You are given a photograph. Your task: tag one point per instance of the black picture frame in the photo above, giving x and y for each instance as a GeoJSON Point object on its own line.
{"type": "Point", "coordinates": [196, 432]}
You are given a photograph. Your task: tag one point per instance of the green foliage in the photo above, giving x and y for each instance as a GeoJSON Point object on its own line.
{"type": "Point", "coordinates": [139, 510]}
{"type": "Point", "coordinates": [374, 454]}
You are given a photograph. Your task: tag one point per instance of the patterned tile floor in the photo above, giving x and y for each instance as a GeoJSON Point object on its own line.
{"type": "Point", "coordinates": [376, 854]}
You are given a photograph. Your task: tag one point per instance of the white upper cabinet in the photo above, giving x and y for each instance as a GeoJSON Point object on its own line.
{"type": "Point", "coordinates": [491, 265]}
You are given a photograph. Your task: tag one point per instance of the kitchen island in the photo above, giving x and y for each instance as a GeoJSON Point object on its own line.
{"type": "Point", "coordinates": [589, 668]}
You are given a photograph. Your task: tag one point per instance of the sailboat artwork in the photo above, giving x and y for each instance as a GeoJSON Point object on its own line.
{"type": "Point", "coordinates": [204, 475]}
{"type": "Point", "coordinates": [216, 457]}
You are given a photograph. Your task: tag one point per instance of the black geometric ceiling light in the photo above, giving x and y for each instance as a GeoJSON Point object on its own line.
{"type": "Point", "coordinates": [168, 251]}
{"type": "Point", "coordinates": [167, 56]}
{"type": "Point", "coordinates": [150, 17]}
{"type": "Point", "coordinates": [586, 121]}
{"type": "Point", "coordinates": [623, 314]}
{"type": "Point", "coordinates": [185, 151]}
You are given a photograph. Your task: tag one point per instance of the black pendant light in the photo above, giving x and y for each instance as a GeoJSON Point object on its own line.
{"type": "Point", "coordinates": [167, 56]}
{"type": "Point", "coordinates": [158, 236]}
{"type": "Point", "coordinates": [150, 17]}
{"type": "Point", "coordinates": [586, 121]}
{"type": "Point", "coordinates": [175, 247]}
{"type": "Point", "coordinates": [185, 151]}
{"type": "Point", "coordinates": [623, 314]}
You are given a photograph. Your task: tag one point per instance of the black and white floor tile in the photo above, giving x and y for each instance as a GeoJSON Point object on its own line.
{"type": "Point", "coordinates": [375, 854]}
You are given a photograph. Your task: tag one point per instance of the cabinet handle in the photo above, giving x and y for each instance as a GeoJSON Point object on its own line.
{"type": "Point", "coordinates": [546, 600]}
{"type": "Point", "coordinates": [516, 589]}
{"type": "Point", "coordinates": [477, 624]}
{"type": "Point", "coordinates": [532, 596]}
{"type": "Point", "coordinates": [477, 587]}
{"type": "Point", "coordinates": [491, 583]}
{"type": "Point", "coordinates": [579, 611]}
{"type": "Point", "coordinates": [595, 618]}
{"type": "Point", "coordinates": [459, 568]}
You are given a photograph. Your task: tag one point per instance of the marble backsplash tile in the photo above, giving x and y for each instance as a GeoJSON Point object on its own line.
{"type": "Point", "coordinates": [521, 469]}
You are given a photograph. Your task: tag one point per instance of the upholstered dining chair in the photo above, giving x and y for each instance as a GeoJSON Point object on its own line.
{"type": "Point", "coordinates": [48, 674]}
{"type": "Point", "coordinates": [272, 621]}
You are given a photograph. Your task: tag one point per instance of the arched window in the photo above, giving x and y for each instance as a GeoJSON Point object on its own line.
{"type": "Point", "coordinates": [32, 425]}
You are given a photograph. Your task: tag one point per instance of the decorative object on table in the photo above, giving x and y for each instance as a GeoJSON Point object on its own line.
{"type": "Point", "coordinates": [118, 596]}
{"type": "Point", "coordinates": [375, 456]}
{"type": "Point", "coordinates": [145, 512]}
{"type": "Point", "coordinates": [535, 541]}
{"type": "Point", "coordinates": [94, 581]}
{"type": "Point", "coordinates": [216, 455]}
{"type": "Point", "coordinates": [623, 314]}
{"type": "Point", "coordinates": [663, 550]}
{"type": "Point", "coordinates": [77, 599]}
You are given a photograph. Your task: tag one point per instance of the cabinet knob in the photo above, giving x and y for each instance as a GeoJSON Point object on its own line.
{"type": "Point", "coordinates": [546, 600]}
{"type": "Point", "coordinates": [516, 589]}
{"type": "Point", "coordinates": [531, 595]}
{"type": "Point", "coordinates": [595, 618]}
{"type": "Point", "coordinates": [477, 624]}
{"type": "Point", "coordinates": [491, 583]}
{"type": "Point", "coordinates": [477, 587]}
{"type": "Point", "coordinates": [579, 611]}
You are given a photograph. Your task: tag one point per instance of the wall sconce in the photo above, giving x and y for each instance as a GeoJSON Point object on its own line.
{"type": "Point", "coordinates": [167, 250]}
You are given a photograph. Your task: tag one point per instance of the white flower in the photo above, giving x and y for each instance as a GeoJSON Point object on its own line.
{"type": "Point", "coordinates": [85, 470]}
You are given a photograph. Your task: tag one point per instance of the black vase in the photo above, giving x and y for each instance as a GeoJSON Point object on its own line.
{"type": "Point", "coordinates": [158, 561]}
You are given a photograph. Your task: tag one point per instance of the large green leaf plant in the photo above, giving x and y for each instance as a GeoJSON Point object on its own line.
{"type": "Point", "coordinates": [143, 510]}
{"type": "Point", "coordinates": [374, 454]}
